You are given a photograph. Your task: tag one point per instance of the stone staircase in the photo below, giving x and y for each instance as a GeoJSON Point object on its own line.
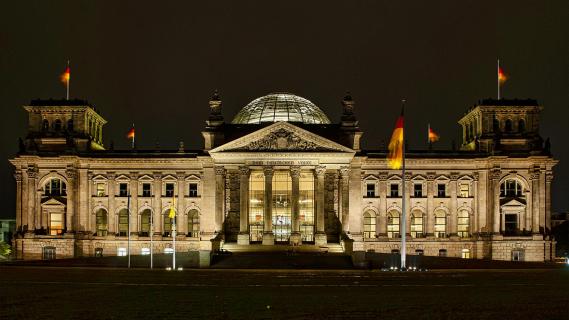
{"type": "Point", "coordinates": [305, 248]}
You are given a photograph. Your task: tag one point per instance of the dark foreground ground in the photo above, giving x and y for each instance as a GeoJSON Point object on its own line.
{"type": "Point", "coordinates": [107, 293]}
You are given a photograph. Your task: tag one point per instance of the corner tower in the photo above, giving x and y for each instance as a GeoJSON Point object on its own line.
{"type": "Point", "coordinates": [62, 125]}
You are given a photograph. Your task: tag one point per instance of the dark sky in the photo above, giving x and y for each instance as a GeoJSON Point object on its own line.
{"type": "Point", "coordinates": [157, 64]}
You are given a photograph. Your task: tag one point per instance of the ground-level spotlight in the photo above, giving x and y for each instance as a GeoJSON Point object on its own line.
{"type": "Point", "coordinates": [168, 268]}
{"type": "Point", "coordinates": [180, 268]}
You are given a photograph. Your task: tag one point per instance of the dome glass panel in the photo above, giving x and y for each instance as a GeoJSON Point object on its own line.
{"type": "Point", "coordinates": [276, 107]}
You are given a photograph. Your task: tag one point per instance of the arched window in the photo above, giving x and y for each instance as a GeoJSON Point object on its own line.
{"type": "Point", "coordinates": [417, 224]}
{"type": "Point", "coordinates": [440, 224]}
{"type": "Point", "coordinates": [57, 125]}
{"type": "Point", "coordinates": [54, 187]}
{"type": "Point", "coordinates": [45, 125]}
{"type": "Point", "coordinates": [167, 223]}
{"type": "Point", "coordinates": [463, 224]}
{"type": "Point", "coordinates": [70, 125]}
{"type": "Point", "coordinates": [369, 224]}
{"type": "Point", "coordinates": [393, 224]}
{"type": "Point", "coordinates": [508, 125]}
{"type": "Point", "coordinates": [101, 221]}
{"type": "Point", "coordinates": [521, 125]}
{"type": "Point", "coordinates": [145, 217]}
{"type": "Point", "coordinates": [510, 188]}
{"type": "Point", "coordinates": [123, 223]}
{"type": "Point", "coordinates": [194, 223]}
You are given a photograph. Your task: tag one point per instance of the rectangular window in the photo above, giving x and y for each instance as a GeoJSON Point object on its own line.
{"type": "Point", "coordinates": [145, 251]}
{"type": "Point", "coordinates": [121, 252]}
{"type": "Point", "coordinates": [510, 224]}
{"type": "Point", "coordinates": [464, 191]}
{"type": "Point", "coordinates": [123, 189]}
{"type": "Point", "coordinates": [169, 189]}
{"type": "Point", "coordinates": [370, 190]}
{"type": "Point", "coordinates": [441, 190]}
{"type": "Point", "coordinates": [394, 190]}
{"type": "Point", "coordinates": [100, 189]}
{"type": "Point", "coordinates": [418, 190]}
{"type": "Point", "coordinates": [56, 224]}
{"type": "Point", "coordinates": [146, 190]}
{"type": "Point", "coordinates": [193, 190]}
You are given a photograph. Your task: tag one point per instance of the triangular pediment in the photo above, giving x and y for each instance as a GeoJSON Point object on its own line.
{"type": "Point", "coordinates": [512, 203]}
{"type": "Point", "coordinates": [282, 136]}
{"type": "Point", "coordinates": [53, 202]}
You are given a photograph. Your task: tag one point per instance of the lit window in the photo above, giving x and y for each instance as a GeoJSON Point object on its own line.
{"type": "Point", "coordinates": [369, 225]}
{"type": "Point", "coordinates": [169, 189]}
{"type": "Point", "coordinates": [146, 190]}
{"type": "Point", "coordinates": [193, 189]}
{"type": "Point", "coordinates": [121, 252]}
{"type": "Point", "coordinates": [465, 254]}
{"type": "Point", "coordinates": [123, 223]}
{"type": "Point", "coordinates": [440, 224]}
{"type": "Point", "coordinates": [100, 189]}
{"type": "Point", "coordinates": [256, 205]}
{"type": "Point", "coordinates": [464, 191]}
{"type": "Point", "coordinates": [417, 224]}
{"type": "Point", "coordinates": [517, 255]}
{"type": "Point", "coordinates": [463, 224]}
{"type": "Point", "coordinates": [123, 189]}
{"type": "Point", "coordinates": [145, 217]}
{"type": "Point", "coordinates": [145, 251]}
{"type": "Point", "coordinates": [167, 223]}
{"type": "Point", "coordinates": [193, 223]}
{"type": "Point", "coordinates": [394, 190]}
{"type": "Point", "coordinates": [101, 220]}
{"type": "Point", "coordinates": [441, 190]}
{"type": "Point", "coordinates": [55, 223]}
{"type": "Point", "coordinates": [55, 187]}
{"type": "Point", "coordinates": [370, 190]}
{"type": "Point", "coordinates": [393, 224]}
{"type": "Point", "coordinates": [168, 250]}
{"type": "Point", "coordinates": [418, 190]}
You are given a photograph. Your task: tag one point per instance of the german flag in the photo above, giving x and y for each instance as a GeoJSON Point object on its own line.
{"type": "Point", "coordinates": [502, 77]}
{"type": "Point", "coordinates": [66, 75]}
{"type": "Point", "coordinates": [395, 156]}
{"type": "Point", "coordinates": [432, 135]}
{"type": "Point", "coordinates": [130, 133]}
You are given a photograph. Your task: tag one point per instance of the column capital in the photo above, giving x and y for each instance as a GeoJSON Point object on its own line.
{"type": "Point", "coordinates": [454, 176]}
{"type": "Point", "coordinates": [431, 176]}
{"type": "Point", "coordinates": [383, 175]}
{"type": "Point", "coordinates": [475, 176]}
{"type": "Point", "coordinates": [549, 177]}
{"type": "Point", "coordinates": [268, 171]}
{"type": "Point", "coordinates": [111, 175]}
{"type": "Point", "coordinates": [534, 174]}
{"type": "Point", "coordinates": [495, 174]}
{"type": "Point", "coordinates": [244, 170]}
{"type": "Point", "coordinates": [18, 175]}
{"type": "Point", "coordinates": [320, 171]}
{"type": "Point", "coordinates": [181, 175]}
{"type": "Point", "coordinates": [133, 175]}
{"type": "Point", "coordinates": [157, 176]}
{"type": "Point", "coordinates": [344, 172]}
{"type": "Point", "coordinates": [295, 172]}
{"type": "Point", "coordinates": [219, 170]}
{"type": "Point", "coordinates": [408, 176]}
{"type": "Point", "coordinates": [32, 172]}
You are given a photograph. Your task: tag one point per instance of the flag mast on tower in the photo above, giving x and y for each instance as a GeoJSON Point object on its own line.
{"type": "Point", "coordinates": [501, 78]}
{"type": "Point", "coordinates": [66, 78]}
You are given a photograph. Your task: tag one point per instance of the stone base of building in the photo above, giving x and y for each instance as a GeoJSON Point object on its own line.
{"type": "Point", "coordinates": [295, 239]}
{"type": "Point", "coordinates": [243, 239]}
{"type": "Point", "coordinates": [320, 239]}
{"type": "Point", "coordinates": [268, 239]}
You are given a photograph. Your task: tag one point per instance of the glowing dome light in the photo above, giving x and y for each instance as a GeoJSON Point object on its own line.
{"type": "Point", "coordinates": [276, 107]}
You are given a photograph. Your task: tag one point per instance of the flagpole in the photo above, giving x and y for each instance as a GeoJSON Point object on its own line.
{"type": "Point", "coordinates": [174, 235]}
{"type": "Point", "coordinates": [68, 80]}
{"type": "Point", "coordinates": [498, 76]}
{"type": "Point", "coordinates": [403, 212]}
{"type": "Point", "coordinates": [133, 136]}
{"type": "Point", "coordinates": [128, 231]}
{"type": "Point", "coordinates": [151, 243]}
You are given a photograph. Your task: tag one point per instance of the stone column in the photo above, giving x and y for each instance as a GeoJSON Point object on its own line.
{"type": "Point", "coordinates": [111, 215]}
{"type": "Point", "coordinates": [133, 202]}
{"type": "Point", "coordinates": [89, 222]}
{"type": "Point", "coordinates": [243, 236]}
{"type": "Point", "coordinates": [535, 201]}
{"type": "Point", "coordinates": [219, 197]}
{"type": "Point", "coordinates": [542, 202]}
{"type": "Point", "coordinates": [320, 236]}
{"type": "Point", "coordinates": [26, 227]}
{"type": "Point", "coordinates": [473, 227]}
{"type": "Point", "coordinates": [82, 200]}
{"type": "Point", "coordinates": [382, 223]}
{"type": "Point", "coordinates": [181, 224]}
{"type": "Point", "coordinates": [41, 217]}
{"type": "Point", "coordinates": [32, 174]}
{"type": "Point", "coordinates": [495, 181]}
{"type": "Point", "coordinates": [295, 237]}
{"type": "Point", "coordinates": [453, 204]}
{"type": "Point", "coordinates": [548, 180]}
{"type": "Point", "coordinates": [19, 218]}
{"type": "Point", "coordinates": [345, 198]}
{"type": "Point", "coordinates": [157, 207]}
{"type": "Point", "coordinates": [268, 236]}
{"type": "Point", "coordinates": [70, 222]}
{"type": "Point", "coordinates": [430, 226]}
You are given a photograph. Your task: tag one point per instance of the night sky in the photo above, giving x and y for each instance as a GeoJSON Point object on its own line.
{"type": "Point", "coordinates": [157, 64]}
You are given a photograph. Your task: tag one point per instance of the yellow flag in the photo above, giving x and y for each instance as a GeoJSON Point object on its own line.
{"type": "Point", "coordinates": [172, 212]}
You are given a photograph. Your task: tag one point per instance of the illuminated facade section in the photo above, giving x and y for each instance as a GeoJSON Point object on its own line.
{"type": "Point", "coordinates": [281, 174]}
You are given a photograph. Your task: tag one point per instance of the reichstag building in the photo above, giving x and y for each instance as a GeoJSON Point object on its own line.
{"type": "Point", "coordinates": [281, 173]}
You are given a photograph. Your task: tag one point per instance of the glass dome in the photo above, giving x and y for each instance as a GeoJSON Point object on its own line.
{"type": "Point", "coordinates": [280, 107]}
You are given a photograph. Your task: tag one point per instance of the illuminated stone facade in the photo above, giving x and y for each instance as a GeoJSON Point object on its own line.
{"type": "Point", "coordinates": [284, 183]}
